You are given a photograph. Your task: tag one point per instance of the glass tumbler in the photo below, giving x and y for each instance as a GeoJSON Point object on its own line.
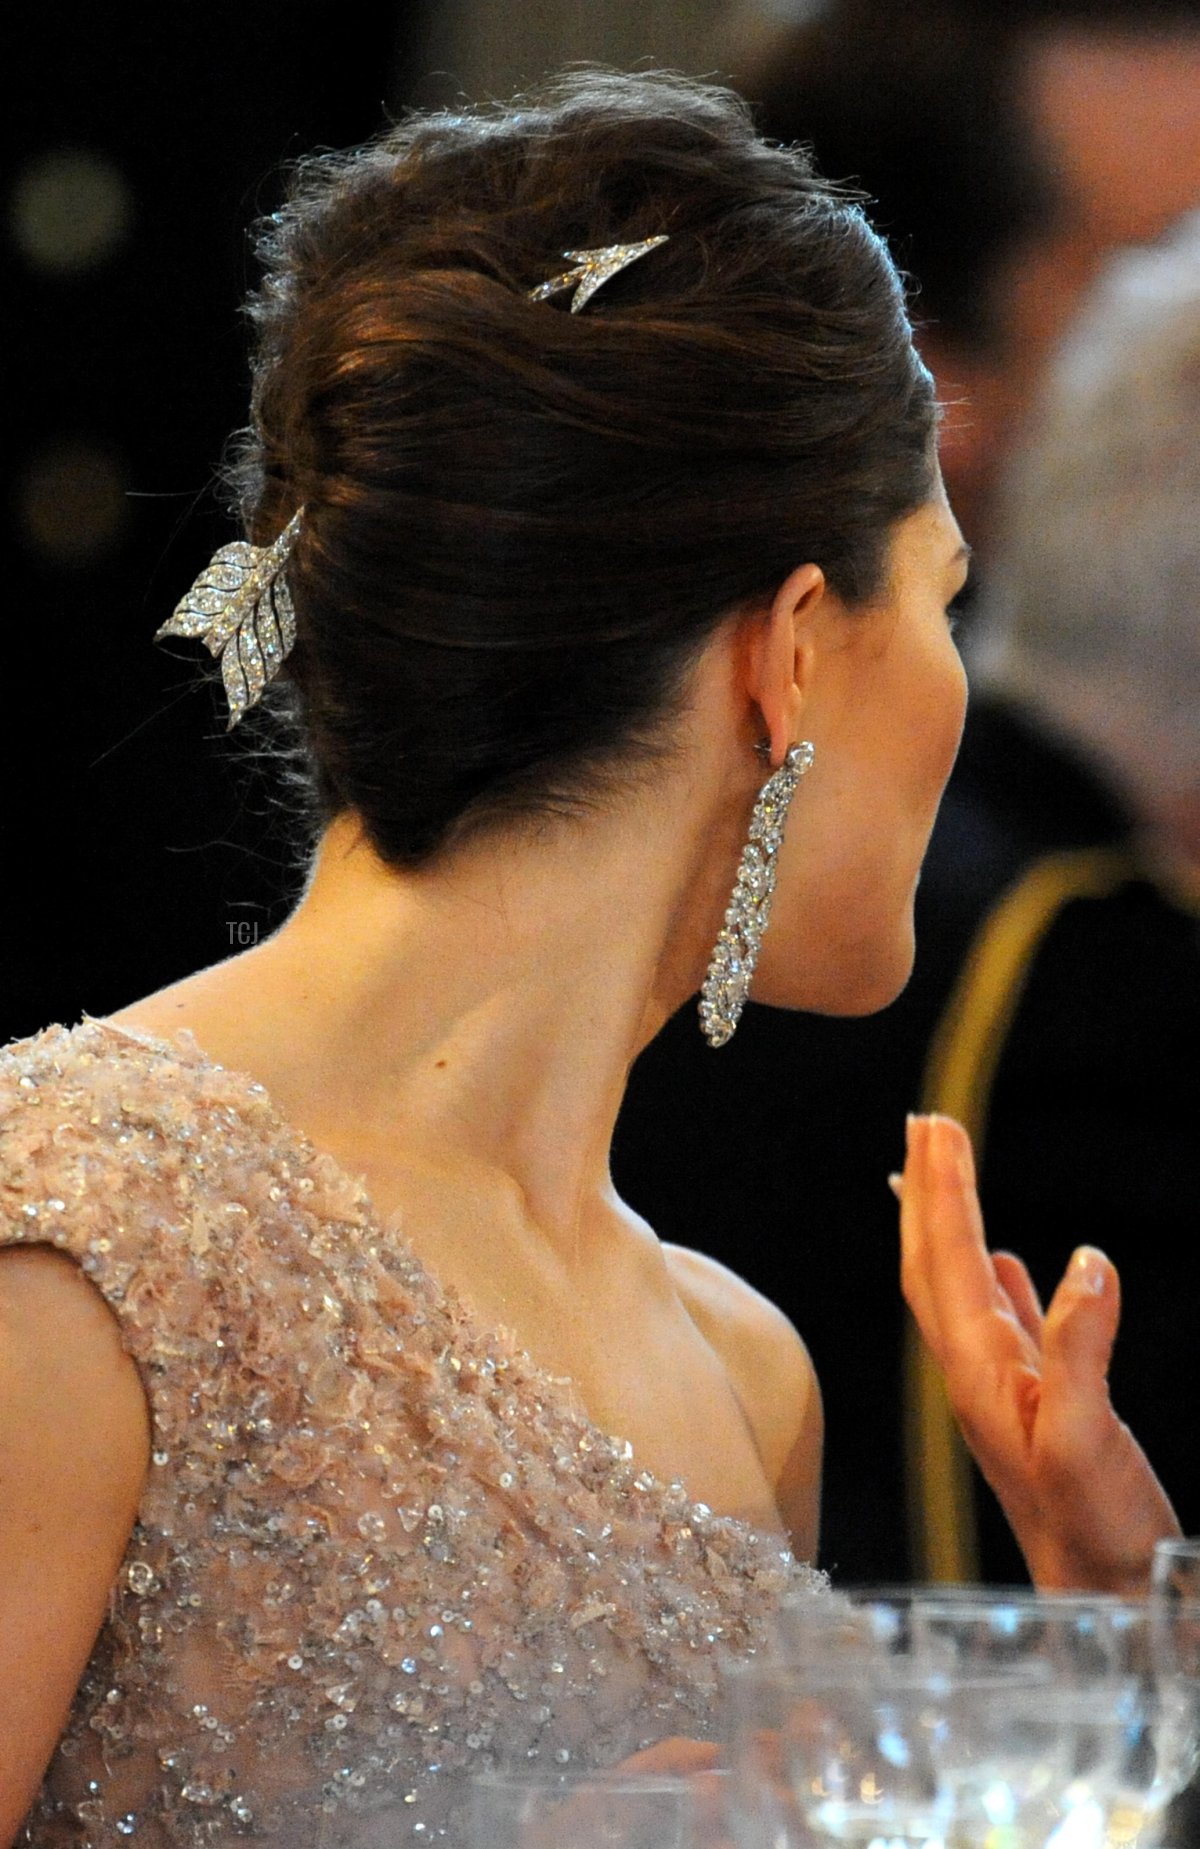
{"type": "Point", "coordinates": [607, 1810]}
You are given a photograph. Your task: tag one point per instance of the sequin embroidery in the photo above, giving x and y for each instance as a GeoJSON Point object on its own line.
{"type": "Point", "coordinates": [377, 1549]}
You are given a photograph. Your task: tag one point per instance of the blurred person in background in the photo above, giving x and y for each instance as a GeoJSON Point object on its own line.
{"type": "Point", "coordinates": [1071, 1043]}
{"type": "Point", "coordinates": [1006, 155]}
{"type": "Point", "coordinates": [1006, 149]}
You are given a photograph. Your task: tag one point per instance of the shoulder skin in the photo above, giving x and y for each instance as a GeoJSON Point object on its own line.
{"type": "Point", "coordinates": [772, 1374]}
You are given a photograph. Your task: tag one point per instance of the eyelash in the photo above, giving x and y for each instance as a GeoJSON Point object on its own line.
{"type": "Point", "coordinates": [955, 609]}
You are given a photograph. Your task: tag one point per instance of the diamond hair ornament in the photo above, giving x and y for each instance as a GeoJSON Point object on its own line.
{"type": "Point", "coordinates": [593, 269]}
{"type": "Point", "coordinates": [241, 609]}
{"type": "Point", "coordinates": [727, 983]}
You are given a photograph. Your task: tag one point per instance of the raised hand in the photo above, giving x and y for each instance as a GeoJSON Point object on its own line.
{"type": "Point", "coordinates": [1029, 1388]}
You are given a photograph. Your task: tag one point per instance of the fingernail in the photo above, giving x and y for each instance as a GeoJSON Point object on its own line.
{"type": "Point", "coordinates": [896, 1184]}
{"type": "Point", "coordinates": [950, 1150]}
{"type": "Point", "coordinates": [1089, 1271]}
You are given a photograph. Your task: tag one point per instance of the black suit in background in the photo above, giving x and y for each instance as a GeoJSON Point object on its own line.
{"type": "Point", "coordinates": [773, 1152]}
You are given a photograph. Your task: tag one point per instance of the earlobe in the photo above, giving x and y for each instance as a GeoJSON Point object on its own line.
{"type": "Point", "coordinates": [784, 658]}
{"type": "Point", "coordinates": [783, 724]}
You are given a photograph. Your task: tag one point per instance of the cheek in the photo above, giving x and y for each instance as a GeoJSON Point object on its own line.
{"type": "Point", "coordinates": [840, 939]}
{"type": "Point", "coordinates": [900, 750]}
{"type": "Point", "coordinates": [863, 822]}
{"type": "Point", "coordinates": [936, 709]}
{"type": "Point", "coordinates": [954, 708]}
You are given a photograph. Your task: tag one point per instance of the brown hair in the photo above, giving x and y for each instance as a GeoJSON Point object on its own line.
{"type": "Point", "coordinates": [523, 524]}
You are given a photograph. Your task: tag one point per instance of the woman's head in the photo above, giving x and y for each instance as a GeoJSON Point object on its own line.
{"type": "Point", "coordinates": [523, 525]}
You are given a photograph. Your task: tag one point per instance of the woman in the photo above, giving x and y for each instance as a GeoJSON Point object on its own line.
{"type": "Point", "coordinates": [585, 553]}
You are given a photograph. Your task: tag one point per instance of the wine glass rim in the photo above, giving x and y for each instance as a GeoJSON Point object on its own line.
{"type": "Point", "coordinates": [569, 1780]}
{"type": "Point", "coordinates": [885, 1675]}
{"type": "Point", "coordinates": [1025, 1600]}
{"type": "Point", "coordinates": [972, 1593]}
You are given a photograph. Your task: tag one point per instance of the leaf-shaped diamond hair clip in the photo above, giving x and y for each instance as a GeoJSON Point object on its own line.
{"type": "Point", "coordinates": [593, 268]}
{"type": "Point", "coordinates": [241, 608]}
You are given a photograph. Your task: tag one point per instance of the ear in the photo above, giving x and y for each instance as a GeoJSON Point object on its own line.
{"type": "Point", "coordinates": [781, 657]}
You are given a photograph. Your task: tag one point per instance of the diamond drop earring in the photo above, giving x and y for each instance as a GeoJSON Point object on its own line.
{"type": "Point", "coordinates": [727, 983]}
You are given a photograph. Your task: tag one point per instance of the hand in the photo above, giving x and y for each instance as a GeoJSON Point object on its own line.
{"type": "Point", "coordinates": [582, 1815]}
{"type": "Point", "coordinates": [676, 1757]}
{"type": "Point", "coordinates": [710, 1822]}
{"type": "Point", "coordinates": [1029, 1388]}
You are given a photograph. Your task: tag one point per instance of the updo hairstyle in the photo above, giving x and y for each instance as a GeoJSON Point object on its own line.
{"type": "Point", "coordinates": [522, 525]}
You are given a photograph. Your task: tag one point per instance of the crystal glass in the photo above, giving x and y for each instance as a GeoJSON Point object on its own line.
{"type": "Point", "coordinates": [1079, 1638]}
{"type": "Point", "coordinates": [1082, 1636]}
{"type": "Point", "coordinates": [1040, 1717]}
{"type": "Point", "coordinates": [905, 1756]}
{"type": "Point", "coordinates": [1080, 1641]}
{"type": "Point", "coordinates": [1175, 1596]}
{"type": "Point", "coordinates": [1087, 1643]}
{"type": "Point", "coordinates": [1176, 1570]}
{"type": "Point", "coordinates": [710, 1809]}
{"type": "Point", "coordinates": [607, 1810]}
{"type": "Point", "coordinates": [813, 1626]}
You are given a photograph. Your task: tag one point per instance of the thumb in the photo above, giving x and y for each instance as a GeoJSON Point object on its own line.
{"type": "Point", "coordinates": [1081, 1328]}
{"type": "Point", "coordinates": [676, 1755]}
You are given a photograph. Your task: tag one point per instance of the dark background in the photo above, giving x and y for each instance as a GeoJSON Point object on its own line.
{"type": "Point", "coordinates": [135, 839]}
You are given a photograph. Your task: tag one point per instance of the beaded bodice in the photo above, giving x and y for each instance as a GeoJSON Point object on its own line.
{"type": "Point", "coordinates": [377, 1548]}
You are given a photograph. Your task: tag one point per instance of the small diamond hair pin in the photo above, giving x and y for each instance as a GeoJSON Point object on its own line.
{"type": "Point", "coordinates": [593, 269]}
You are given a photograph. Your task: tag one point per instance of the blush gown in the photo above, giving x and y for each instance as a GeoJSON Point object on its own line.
{"type": "Point", "coordinates": [377, 1548]}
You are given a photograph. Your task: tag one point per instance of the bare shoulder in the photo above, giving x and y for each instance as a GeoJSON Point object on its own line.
{"type": "Point", "coordinates": [74, 1450]}
{"type": "Point", "coordinates": [772, 1374]}
{"type": "Point", "coordinates": [66, 1380]}
{"type": "Point", "coordinates": [769, 1365]}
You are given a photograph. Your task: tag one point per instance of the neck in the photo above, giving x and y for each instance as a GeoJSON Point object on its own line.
{"type": "Point", "coordinates": [482, 1017]}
